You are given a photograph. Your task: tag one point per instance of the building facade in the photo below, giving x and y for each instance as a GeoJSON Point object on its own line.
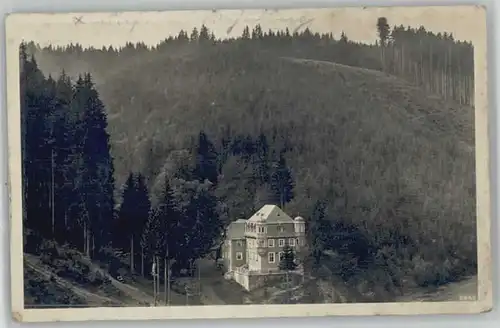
{"type": "Point", "coordinates": [255, 245]}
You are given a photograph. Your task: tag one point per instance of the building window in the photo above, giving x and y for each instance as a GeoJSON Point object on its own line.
{"type": "Point", "coordinates": [281, 243]}
{"type": "Point", "coordinates": [281, 229]}
{"type": "Point", "coordinates": [280, 256]}
{"type": "Point", "coordinates": [239, 243]}
{"type": "Point", "coordinates": [262, 243]}
{"type": "Point", "coordinates": [239, 256]}
{"type": "Point", "coordinates": [270, 257]}
{"type": "Point", "coordinates": [292, 241]}
{"type": "Point", "coordinates": [270, 242]}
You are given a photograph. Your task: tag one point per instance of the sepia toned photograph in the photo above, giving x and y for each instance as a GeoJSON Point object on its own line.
{"type": "Point", "coordinates": [279, 162]}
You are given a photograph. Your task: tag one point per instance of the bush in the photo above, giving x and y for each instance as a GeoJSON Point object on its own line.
{"type": "Point", "coordinates": [39, 291]}
{"type": "Point", "coordinates": [427, 274]}
{"type": "Point", "coordinates": [96, 278]}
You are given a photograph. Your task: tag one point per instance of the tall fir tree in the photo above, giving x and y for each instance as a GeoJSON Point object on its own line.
{"type": "Point", "coordinates": [261, 164]}
{"type": "Point", "coordinates": [143, 206]}
{"type": "Point", "coordinates": [246, 33]}
{"type": "Point", "coordinates": [206, 160]}
{"type": "Point", "coordinates": [35, 150]}
{"type": "Point", "coordinates": [95, 178]}
{"type": "Point", "coordinates": [204, 33]}
{"type": "Point", "coordinates": [282, 181]}
{"type": "Point", "coordinates": [62, 159]}
{"type": "Point", "coordinates": [123, 232]}
{"type": "Point", "coordinates": [318, 232]}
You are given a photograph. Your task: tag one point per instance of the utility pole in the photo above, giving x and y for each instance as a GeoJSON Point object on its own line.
{"type": "Point", "coordinates": [153, 272]}
{"type": "Point", "coordinates": [199, 277]}
{"type": "Point", "coordinates": [167, 278]}
{"type": "Point", "coordinates": [158, 279]}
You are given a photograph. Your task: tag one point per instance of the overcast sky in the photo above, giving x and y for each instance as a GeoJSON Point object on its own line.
{"type": "Point", "coordinates": [151, 27]}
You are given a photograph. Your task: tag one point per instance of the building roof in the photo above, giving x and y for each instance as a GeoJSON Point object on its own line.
{"type": "Point", "coordinates": [270, 214]}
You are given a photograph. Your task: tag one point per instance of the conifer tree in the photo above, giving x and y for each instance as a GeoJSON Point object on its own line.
{"type": "Point", "coordinates": [143, 205]}
{"type": "Point", "coordinates": [287, 261]}
{"type": "Point", "coordinates": [383, 30]}
{"type": "Point", "coordinates": [206, 160]}
{"type": "Point", "coordinates": [170, 221]}
{"type": "Point", "coordinates": [35, 150]}
{"type": "Point", "coordinates": [257, 32]}
{"type": "Point", "coordinates": [204, 33]}
{"type": "Point", "coordinates": [383, 33]}
{"type": "Point", "coordinates": [261, 164]}
{"type": "Point", "coordinates": [318, 230]}
{"type": "Point", "coordinates": [282, 182]}
{"type": "Point", "coordinates": [246, 33]}
{"type": "Point", "coordinates": [201, 225]}
{"type": "Point", "coordinates": [95, 176]}
{"type": "Point", "coordinates": [194, 35]}
{"type": "Point", "coordinates": [123, 232]}
{"type": "Point", "coordinates": [62, 159]}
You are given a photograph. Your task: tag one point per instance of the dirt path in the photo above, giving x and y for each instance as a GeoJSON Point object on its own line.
{"type": "Point", "coordinates": [210, 276]}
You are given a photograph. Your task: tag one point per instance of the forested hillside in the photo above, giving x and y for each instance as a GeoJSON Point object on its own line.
{"type": "Point", "coordinates": [435, 61]}
{"type": "Point", "coordinates": [373, 145]}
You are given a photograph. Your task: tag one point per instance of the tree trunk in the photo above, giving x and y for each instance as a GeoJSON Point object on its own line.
{"type": "Point", "coordinates": [132, 267]}
{"type": "Point", "coordinates": [168, 282]}
{"type": "Point", "coordinates": [87, 246]}
{"type": "Point", "coordinates": [158, 278]}
{"type": "Point", "coordinates": [66, 220]}
{"type": "Point", "coordinates": [154, 280]}
{"type": "Point", "coordinates": [84, 238]}
{"type": "Point", "coordinates": [142, 261]}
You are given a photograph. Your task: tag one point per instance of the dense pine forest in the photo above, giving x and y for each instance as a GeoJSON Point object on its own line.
{"type": "Point", "coordinates": [152, 151]}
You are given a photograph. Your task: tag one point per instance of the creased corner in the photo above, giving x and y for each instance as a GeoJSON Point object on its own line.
{"type": "Point", "coordinates": [17, 316]}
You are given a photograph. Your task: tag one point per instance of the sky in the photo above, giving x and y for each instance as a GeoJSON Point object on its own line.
{"type": "Point", "coordinates": [98, 29]}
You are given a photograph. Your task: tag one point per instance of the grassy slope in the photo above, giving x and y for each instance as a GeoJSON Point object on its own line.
{"type": "Point", "coordinates": [401, 162]}
{"type": "Point", "coordinates": [40, 291]}
{"type": "Point", "coordinates": [60, 275]}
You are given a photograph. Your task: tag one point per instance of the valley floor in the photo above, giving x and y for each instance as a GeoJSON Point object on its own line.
{"type": "Point", "coordinates": [210, 288]}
